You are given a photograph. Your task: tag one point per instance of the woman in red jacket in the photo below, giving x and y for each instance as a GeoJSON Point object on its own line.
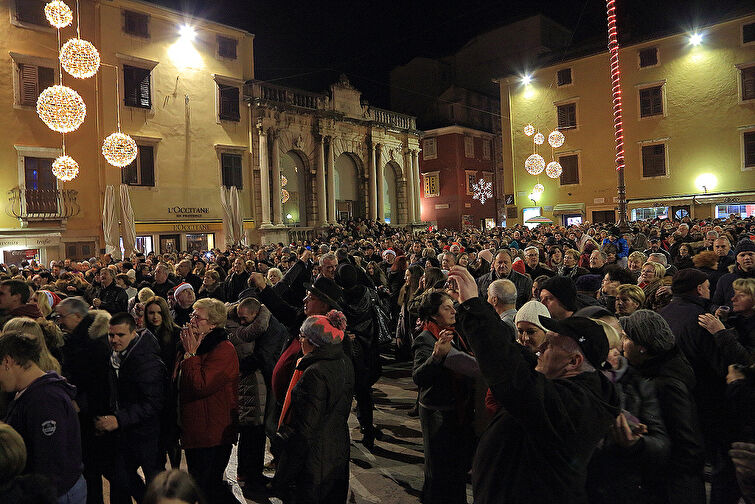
{"type": "Point", "coordinates": [208, 398]}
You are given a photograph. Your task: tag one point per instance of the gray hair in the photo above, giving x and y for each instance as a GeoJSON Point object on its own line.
{"type": "Point", "coordinates": [75, 305]}
{"type": "Point", "coordinates": [648, 329]}
{"type": "Point", "coordinates": [504, 290]}
{"type": "Point", "coordinates": [329, 256]}
{"type": "Point", "coordinates": [712, 233]}
{"type": "Point", "coordinates": [661, 258]}
{"type": "Point", "coordinates": [532, 247]}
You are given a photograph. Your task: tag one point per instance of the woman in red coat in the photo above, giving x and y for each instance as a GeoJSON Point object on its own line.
{"type": "Point", "coordinates": [208, 398]}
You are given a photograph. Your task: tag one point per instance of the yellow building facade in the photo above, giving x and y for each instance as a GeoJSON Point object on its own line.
{"type": "Point", "coordinates": [689, 130]}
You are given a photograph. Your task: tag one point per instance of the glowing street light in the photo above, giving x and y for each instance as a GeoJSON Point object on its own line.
{"type": "Point", "coordinates": [187, 32]}
{"type": "Point", "coordinates": [696, 39]}
{"type": "Point", "coordinates": [526, 79]}
{"type": "Point", "coordinates": [706, 182]}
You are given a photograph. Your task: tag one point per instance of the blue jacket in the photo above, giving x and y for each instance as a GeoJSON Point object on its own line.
{"type": "Point", "coordinates": [44, 416]}
{"type": "Point", "coordinates": [620, 244]}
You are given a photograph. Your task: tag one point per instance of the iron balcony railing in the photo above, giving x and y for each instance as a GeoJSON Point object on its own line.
{"type": "Point", "coordinates": [42, 204]}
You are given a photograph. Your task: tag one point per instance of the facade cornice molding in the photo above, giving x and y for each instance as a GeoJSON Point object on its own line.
{"type": "Point", "coordinates": [459, 130]}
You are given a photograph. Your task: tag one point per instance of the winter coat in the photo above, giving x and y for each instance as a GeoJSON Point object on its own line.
{"type": "Point", "coordinates": [540, 269]}
{"type": "Point", "coordinates": [737, 342]}
{"type": "Point", "coordinates": [620, 244]}
{"type": "Point", "coordinates": [193, 280]}
{"type": "Point", "coordinates": [181, 316]}
{"type": "Point", "coordinates": [316, 451]}
{"type": "Point", "coordinates": [113, 299]}
{"type": "Point", "coordinates": [725, 285]}
{"type": "Point", "coordinates": [269, 336]}
{"type": "Point", "coordinates": [25, 310]}
{"type": "Point", "coordinates": [362, 322]}
{"type": "Point", "coordinates": [538, 446]}
{"type": "Point", "coordinates": [234, 284]}
{"type": "Point", "coordinates": [674, 382]}
{"type": "Point", "coordinates": [209, 393]}
{"type": "Point", "coordinates": [45, 418]}
{"type": "Point", "coordinates": [573, 272]}
{"type": "Point", "coordinates": [162, 289]}
{"type": "Point", "coordinates": [217, 291]}
{"type": "Point", "coordinates": [616, 474]}
{"type": "Point", "coordinates": [138, 390]}
{"type": "Point", "coordinates": [522, 282]}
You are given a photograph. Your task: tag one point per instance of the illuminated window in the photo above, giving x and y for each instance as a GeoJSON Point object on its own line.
{"type": "Point", "coordinates": [567, 116]}
{"type": "Point", "coordinates": [649, 213]}
{"type": "Point", "coordinates": [431, 184]}
{"type": "Point", "coordinates": [570, 166]}
{"type": "Point", "coordinates": [471, 179]}
{"type": "Point", "coordinates": [137, 87]}
{"type": "Point", "coordinates": [228, 103]}
{"type": "Point", "coordinates": [648, 57]}
{"type": "Point", "coordinates": [227, 47]}
{"type": "Point", "coordinates": [747, 77]}
{"type": "Point", "coordinates": [141, 172]}
{"type": "Point", "coordinates": [430, 148]}
{"type": "Point", "coordinates": [564, 77]}
{"type": "Point", "coordinates": [231, 170]}
{"type": "Point", "coordinates": [651, 101]}
{"type": "Point", "coordinates": [743, 210]}
{"type": "Point", "coordinates": [468, 147]}
{"type": "Point", "coordinates": [136, 23]}
{"type": "Point", "coordinates": [486, 149]}
{"type": "Point", "coordinates": [654, 160]}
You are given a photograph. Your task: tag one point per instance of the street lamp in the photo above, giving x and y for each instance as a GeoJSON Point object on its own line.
{"type": "Point", "coordinates": [696, 39]}
{"type": "Point", "coordinates": [706, 181]}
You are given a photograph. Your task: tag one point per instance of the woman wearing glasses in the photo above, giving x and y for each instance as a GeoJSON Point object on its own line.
{"type": "Point", "coordinates": [208, 389]}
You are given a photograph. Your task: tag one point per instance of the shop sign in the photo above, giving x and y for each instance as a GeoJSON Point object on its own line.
{"type": "Point", "coordinates": [191, 227]}
{"type": "Point", "coordinates": [29, 242]}
{"type": "Point", "coordinates": [188, 212]}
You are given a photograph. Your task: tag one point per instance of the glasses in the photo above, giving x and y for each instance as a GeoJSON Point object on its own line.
{"type": "Point", "coordinates": [195, 316]}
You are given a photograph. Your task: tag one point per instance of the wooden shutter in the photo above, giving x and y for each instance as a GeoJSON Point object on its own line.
{"type": "Point", "coordinates": [651, 101]}
{"type": "Point", "coordinates": [231, 170]}
{"type": "Point", "coordinates": [226, 47]}
{"type": "Point", "coordinates": [136, 23]}
{"type": "Point", "coordinates": [748, 33]}
{"type": "Point", "coordinates": [136, 87]}
{"type": "Point", "coordinates": [147, 165]}
{"type": "Point", "coordinates": [749, 141]}
{"type": "Point", "coordinates": [31, 11]}
{"type": "Point", "coordinates": [748, 83]}
{"type": "Point", "coordinates": [129, 173]}
{"type": "Point", "coordinates": [653, 160]}
{"type": "Point", "coordinates": [567, 116]}
{"type": "Point", "coordinates": [28, 84]}
{"type": "Point", "coordinates": [564, 77]}
{"type": "Point", "coordinates": [649, 57]}
{"type": "Point", "coordinates": [229, 103]}
{"type": "Point", "coordinates": [46, 77]}
{"type": "Point", "coordinates": [570, 166]}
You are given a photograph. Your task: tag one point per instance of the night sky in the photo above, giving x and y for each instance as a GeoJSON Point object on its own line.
{"type": "Point", "coordinates": [307, 44]}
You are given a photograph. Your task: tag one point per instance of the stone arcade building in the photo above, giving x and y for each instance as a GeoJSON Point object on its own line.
{"type": "Point", "coordinates": [327, 157]}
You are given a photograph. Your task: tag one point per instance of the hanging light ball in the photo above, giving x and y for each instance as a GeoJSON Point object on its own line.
{"type": "Point", "coordinates": [61, 108]}
{"type": "Point", "coordinates": [284, 196]}
{"type": "Point", "coordinates": [534, 164]}
{"type": "Point", "coordinates": [65, 168]}
{"type": "Point", "coordinates": [539, 138]}
{"type": "Point", "coordinates": [529, 130]}
{"type": "Point", "coordinates": [79, 58]}
{"type": "Point", "coordinates": [119, 149]}
{"type": "Point", "coordinates": [538, 188]}
{"type": "Point", "coordinates": [284, 180]}
{"type": "Point", "coordinates": [553, 170]}
{"type": "Point", "coordinates": [58, 14]}
{"type": "Point", "coordinates": [556, 139]}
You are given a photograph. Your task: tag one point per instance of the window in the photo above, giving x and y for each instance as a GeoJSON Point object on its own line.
{"type": "Point", "coordinates": [468, 147]}
{"type": "Point", "coordinates": [567, 116]}
{"type": "Point", "coordinates": [654, 160]}
{"type": "Point", "coordinates": [651, 101]}
{"type": "Point", "coordinates": [748, 139]}
{"type": "Point", "coordinates": [649, 213]}
{"type": "Point", "coordinates": [744, 210]}
{"type": "Point", "coordinates": [570, 169]}
{"type": "Point", "coordinates": [136, 23]}
{"type": "Point", "coordinates": [40, 184]}
{"type": "Point", "coordinates": [226, 47]}
{"type": "Point", "coordinates": [31, 12]}
{"type": "Point", "coordinates": [430, 148]}
{"type": "Point", "coordinates": [486, 149]}
{"type": "Point", "coordinates": [141, 172]}
{"type": "Point", "coordinates": [137, 89]}
{"type": "Point", "coordinates": [471, 179]}
{"type": "Point", "coordinates": [432, 184]}
{"type": "Point", "coordinates": [33, 80]}
{"type": "Point", "coordinates": [228, 103]}
{"type": "Point", "coordinates": [564, 76]}
{"type": "Point", "coordinates": [231, 170]}
{"type": "Point", "coordinates": [648, 57]}
{"type": "Point", "coordinates": [747, 75]}
{"type": "Point", "coordinates": [748, 33]}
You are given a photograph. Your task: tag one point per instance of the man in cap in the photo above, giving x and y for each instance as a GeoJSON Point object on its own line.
{"type": "Point", "coordinates": [553, 416]}
{"type": "Point", "coordinates": [655, 246]}
{"type": "Point", "coordinates": [559, 295]}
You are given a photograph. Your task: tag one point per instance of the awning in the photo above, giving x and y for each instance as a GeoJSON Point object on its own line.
{"type": "Point", "coordinates": [688, 199]}
{"type": "Point", "coordinates": [567, 208]}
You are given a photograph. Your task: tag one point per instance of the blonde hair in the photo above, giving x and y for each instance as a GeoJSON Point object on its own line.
{"type": "Point", "coordinates": [217, 313]}
{"type": "Point", "coordinates": [639, 256]}
{"type": "Point", "coordinates": [614, 340]}
{"type": "Point", "coordinates": [745, 285]}
{"type": "Point", "coordinates": [660, 269]}
{"type": "Point", "coordinates": [12, 453]}
{"type": "Point", "coordinates": [43, 303]}
{"type": "Point", "coordinates": [145, 295]}
{"type": "Point", "coordinates": [633, 292]}
{"type": "Point", "coordinates": [24, 326]}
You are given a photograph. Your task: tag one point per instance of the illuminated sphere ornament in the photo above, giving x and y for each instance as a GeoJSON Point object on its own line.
{"type": "Point", "coordinates": [79, 58]}
{"type": "Point", "coordinates": [119, 149]}
{"type": "Point", "coordinates": [535, 164]}
{"type": "Point", "coordinates": [284, 180]}
{"type": "Point", "coordinates": [538, 188]}
{"type": "Point", "coordinates": [529, 130]}
{"type": "Point", "coordinates": [58, 14]}
{"type": "Point", "coordinates": [285, 196]}
{"type": "Point", "coordinates": [65, 168]}
{"type": "Point", "coordinates": [556, 139]}
{"type": "Point", "coordinates": [61, 108]}
{"type": "Point", "coordinates": [553, 170]}
{"type": "Point", "coordinates": [539, 138]}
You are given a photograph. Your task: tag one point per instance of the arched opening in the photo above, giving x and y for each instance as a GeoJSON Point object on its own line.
{"type": "Point", "coordinates": [293, 189]}
{"type": "Point", "coordinates": [346, 183]}
{"type": "Point", "coordinates": [390, 192]}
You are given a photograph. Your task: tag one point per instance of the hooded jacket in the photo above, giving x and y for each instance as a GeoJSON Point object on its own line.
{"type": "Point", "coordinates": [725, 285]}
{"type": "Point", "coordinates": [43, 414]}
{"type": "Point", "coordinates": [537, 447]}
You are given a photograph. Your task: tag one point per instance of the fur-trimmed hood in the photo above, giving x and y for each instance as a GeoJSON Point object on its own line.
{"type": "Point", "coordinates": [100, 324]}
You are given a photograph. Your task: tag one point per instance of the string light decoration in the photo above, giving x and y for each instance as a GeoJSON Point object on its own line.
{"type": "Point", "coordinates": [613, 49]}
{"type": "Point", "coordinates": [535, 164]}
{"type": "Point", "coordinates": [538, 138]}
{"type": "Point", "coordinates": [61, 108]}
{"type": "Point", "coordinates": [482, 191]}
{"type": "Point", "coordinates": [553, 170]}
{"type": "Point", "coordinates": [79, 58]}
{"type": "Point", "coordinates": [119, 149]}
{"type": "Point", "coordinates": [58, 14]}
{"type": "Point", "coordinates": [65, 168]}
{"type": "Point", "coordinates": [285, 196]}
{"type": "Point", "coordinates": [556, 139]}
{"type": "Point", "coordinates": [529, 130]}
{"type": "Point", "coordinates": [539, 188]}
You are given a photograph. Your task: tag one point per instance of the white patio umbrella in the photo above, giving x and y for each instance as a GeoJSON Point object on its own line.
{"type": "Point", "coordinates": [225, 202]}
{"type": "Point", "coordinates": [110, 224]}
{"type": "Point", "coordinates": [127, 223]}
{"type": "Point", "coordinates": [238, 217]}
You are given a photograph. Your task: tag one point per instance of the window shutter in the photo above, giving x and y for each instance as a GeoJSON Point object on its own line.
{"type": "Point", "coordinates": [564, 77]}
{"type": "Point", "coordinates": [129, 173]}
{"type": "Point", "coordinates": [229, 102]}
{"type": "Point", "coordinates": [46, 78]}
{"type": "Point", "coordinates": [570, 166]}
{"type": "Point", "coordinates": [145, 99]}
{"type": "Point", "coordinates": [31, 11]}
{"type": "Point", "coordinates": [748, 33]}
{"type": "Point", "coordinates": [238, 177]}
{"type": "Point", "coordinates": [227, 47]}
{"type": "Point", "coordinates": [748, 83]}
{"type": "Point", "coordinates": [567, 116]}
{"type": "Point", "coordinates": [749, 141]}
{"type": "Point", "coordinates": [654, 160]}
{"type": "Point", "coordinates": [147, 165]}
{"type": "Point", "coordinates": [136, 87]}
{"type": "Point", "coordinates": [29, 89]}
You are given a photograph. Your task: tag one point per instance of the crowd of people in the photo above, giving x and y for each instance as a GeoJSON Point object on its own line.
{"type": "Point", "coordinates": [554, 364]}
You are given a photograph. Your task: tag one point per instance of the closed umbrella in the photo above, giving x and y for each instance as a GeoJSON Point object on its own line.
{"type": "Point", "coordinates": [225, 202]}
{"type": "Point", "coordinates": [110, 224]}
{"type": "Point", "coordinates": [238, 217]}
{"type": "Point", "coordinates": [127, 223]}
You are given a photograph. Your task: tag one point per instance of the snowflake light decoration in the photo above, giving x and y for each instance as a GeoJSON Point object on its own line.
{"type": "Point", "coordinates": [482, 191]}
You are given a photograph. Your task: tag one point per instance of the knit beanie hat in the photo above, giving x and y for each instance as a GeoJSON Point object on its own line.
{"type": "Point", "coordinates": [687, 280]}
{"type": "Point", "coordinates": [647, 328]}
{"type": "Point", "coordinates": [530, 311]}
{"type": "Point", "coordinates": [563, 289]}
{"type": "Point", "coordinates": [324, 329]}
{"type": "Point", "coordinates": [588, 283]}
{"type": "Point", "coordinates": [744, 246]}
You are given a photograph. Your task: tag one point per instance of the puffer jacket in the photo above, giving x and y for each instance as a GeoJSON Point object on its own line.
{"type": "Point", "coordinates": [209, 393]}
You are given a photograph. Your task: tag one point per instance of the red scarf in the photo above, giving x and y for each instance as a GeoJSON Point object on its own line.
{"type": "Point", "coordinates": [287, 402]}
{"type": "Point", "coordinates": [435, 330]}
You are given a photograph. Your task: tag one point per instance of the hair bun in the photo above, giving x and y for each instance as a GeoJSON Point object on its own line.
{"type": "Point", "coordinates": [337, 319]}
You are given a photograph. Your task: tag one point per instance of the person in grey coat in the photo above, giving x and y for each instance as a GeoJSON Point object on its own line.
{"type": "Point", "coordinates": [501, 269]}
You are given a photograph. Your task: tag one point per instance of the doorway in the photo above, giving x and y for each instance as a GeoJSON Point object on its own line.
{"type": "Point", "coordinates": [170, 243]}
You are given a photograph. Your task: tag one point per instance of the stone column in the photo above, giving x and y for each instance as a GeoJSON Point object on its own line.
{"type": "Point", "coordinates": [379, 185]}
{"type": "Point", "coordinates": [417, 185]}
{"type": "Point", "coordinates": [276, 194]}
{"type": "Point", "coordinates": [410, 187]}
{"type": "Point", "coordinates": [373, 185]}
{"type": "Point", "coordinates": [322, 217]}
{"type": "Point", "coordinates": [264, 179]}
{"type": "Point", "coordinates": [331, 183]}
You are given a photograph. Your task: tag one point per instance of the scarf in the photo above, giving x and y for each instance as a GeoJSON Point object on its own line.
{"type": "Point", "coordinates": [117, 358]}
{"type": "Point", "coordinates": [287, 402]}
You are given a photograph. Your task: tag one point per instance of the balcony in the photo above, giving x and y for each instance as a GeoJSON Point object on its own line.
{"type": "Point", "coordinates": [393, 119]}
{"type": "Point", "coordinates": [263, 92]}
{"type": "Point", "coordinates": [42, 204]}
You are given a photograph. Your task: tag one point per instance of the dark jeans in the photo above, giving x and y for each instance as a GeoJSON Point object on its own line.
{"type": "Point", "coordinates": [125, 481]}
{"type": "Point", "coordinates": [251, 451]}
{"type": "Point", "coordinates": [207, 465]}
{"type": "Point", "coordinates": [96, 453]}
{"type": "Point", "coordinates": [446, 445]}
{"type": "Point", "coordinates": [365, 405]}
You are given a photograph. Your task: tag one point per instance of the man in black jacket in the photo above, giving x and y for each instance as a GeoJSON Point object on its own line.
{"type": "Point", "coordinates": [137, 382]}
{"type": "Point", "coordinates": [162, 284]}
{"type": "Point", "coordinates": [500, 269]}
{"type": "Point", "coordinates": [110, 297]}
{"type": "Point", "coordinates": [538, 445]}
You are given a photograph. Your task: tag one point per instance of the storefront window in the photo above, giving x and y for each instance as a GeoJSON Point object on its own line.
{"type": "Point", "coordinates": [199, 242]}
{"type": "Point", "coordinates": [744, 210]}
{"type": "Point", "coordinates": [649, 213]}
{"type": "Point", "coordinates": [18, 256]}
{"type": "Point", "coordinates": [573, 220]}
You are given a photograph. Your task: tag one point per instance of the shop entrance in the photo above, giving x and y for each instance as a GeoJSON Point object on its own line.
{"type": "Point", "coordinates": [170, 243]}
{"type": "Point", "coordinates": [603, 217]}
